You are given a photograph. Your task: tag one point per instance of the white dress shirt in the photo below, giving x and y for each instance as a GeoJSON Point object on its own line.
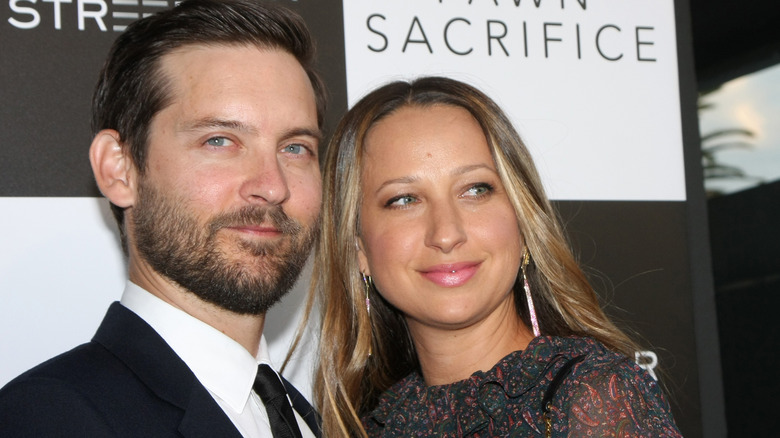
{"type": "Point", "coordinates": [222, 365]}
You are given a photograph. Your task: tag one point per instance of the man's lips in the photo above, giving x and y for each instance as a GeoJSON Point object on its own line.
{"type": "Point", "coordinates": [451, 275]}
{"type": "Point", "coordinates": [257, 230]}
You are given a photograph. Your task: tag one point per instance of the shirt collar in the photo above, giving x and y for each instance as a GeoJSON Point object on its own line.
{"type": "Point", "coordinates": [221, 364]}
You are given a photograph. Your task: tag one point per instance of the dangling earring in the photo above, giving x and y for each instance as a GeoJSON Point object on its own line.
{"type": "Point", "coordinates": [368, 284]}
{"type": "Point", "coordinates": [527, 288]}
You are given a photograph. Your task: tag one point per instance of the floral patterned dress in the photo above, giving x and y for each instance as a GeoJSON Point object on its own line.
{"type": "Point", "coordinates": [604, 395]}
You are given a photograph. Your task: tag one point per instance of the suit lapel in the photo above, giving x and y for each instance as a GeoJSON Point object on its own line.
{"type": "Point", "coordinates": [135, 343]}
{"type": "Point", "coordinates": [204, 418]}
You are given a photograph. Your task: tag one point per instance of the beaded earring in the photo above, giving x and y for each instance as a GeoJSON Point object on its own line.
{"type": "Point", "coordinates": [368, 284]}
{"type": "Point", "coordinates": [527, 288]}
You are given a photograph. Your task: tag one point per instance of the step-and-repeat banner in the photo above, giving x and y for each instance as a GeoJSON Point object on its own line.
{"type": "Point", "coordinates": [601, 91]}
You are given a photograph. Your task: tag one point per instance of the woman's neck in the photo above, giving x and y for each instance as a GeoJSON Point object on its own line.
{"type": "Point", "coordinates": [450, 355]}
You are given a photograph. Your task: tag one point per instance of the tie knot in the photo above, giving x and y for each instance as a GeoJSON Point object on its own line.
{"type": "Point", "coordinates": [268, 385]}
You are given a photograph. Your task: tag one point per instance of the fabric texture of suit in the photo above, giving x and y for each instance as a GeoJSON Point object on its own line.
{"type": "Point", "coordinates": [126, 382]}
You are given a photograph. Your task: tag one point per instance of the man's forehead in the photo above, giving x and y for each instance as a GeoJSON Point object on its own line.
{"type": "Point", "coordinates": [213, 66]}
{"type": "Point", "coordinates": [224, 83]}
{"type": "Point", "coordinates": [214, 50]}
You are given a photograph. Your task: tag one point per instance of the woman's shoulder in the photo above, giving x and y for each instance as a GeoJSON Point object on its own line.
{"type": "Point", "coordinates": [588, 368]}
{"type": "Point", "coordinates": [607, 394]}
{"type": "Point", "coordinates": [546, 355]}
{"type": "Point", "coordinates": [569, 346]}
{"type": "Point", "coordinates": [593, 360]}
{"type": "Point", "coordinates": [596, 365]}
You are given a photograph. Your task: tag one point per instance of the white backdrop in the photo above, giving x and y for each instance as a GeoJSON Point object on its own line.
{"type": "Point", "coordinates": [592, 86]}
{"type": "Point", "coordinates": [60, 268]}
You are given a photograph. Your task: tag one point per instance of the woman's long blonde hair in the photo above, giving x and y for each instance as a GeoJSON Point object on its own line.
{"type": "Point", "coordinates": [348, 379]}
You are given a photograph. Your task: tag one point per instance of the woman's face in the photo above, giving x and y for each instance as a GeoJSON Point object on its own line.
{"type": "Point", "coordinates": [437, 231]}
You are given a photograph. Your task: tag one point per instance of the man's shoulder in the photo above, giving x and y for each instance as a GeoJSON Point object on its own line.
{"type": "Point", "coordinates": [84, 392]}
{"type": "Point", "coordinates": [91, 390]}
{"type": "Point", "coordinates": [79, 365]}
{"type": "Point", "coordinates": [47, 398]}
{"type": "Point", "coordinates": [82, 367]}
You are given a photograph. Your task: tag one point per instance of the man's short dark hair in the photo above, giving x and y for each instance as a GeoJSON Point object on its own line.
{"type": "Point", "coordinates": [131, 89]}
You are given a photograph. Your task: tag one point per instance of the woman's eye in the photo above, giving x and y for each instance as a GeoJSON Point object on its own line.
{"type": "Point", "coordinates": [401, 201]}
{"type": "Point", "coordinates": [478, 190]}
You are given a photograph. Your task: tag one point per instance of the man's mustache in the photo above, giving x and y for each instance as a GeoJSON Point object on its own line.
{"type": "Point", "coordinates": [257, 216]}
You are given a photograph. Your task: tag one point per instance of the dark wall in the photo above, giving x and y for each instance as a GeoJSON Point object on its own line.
{"type": "Point", "coordinates": [47, 75]}
{"type": "Point", "coordinates": [649, 291]}
{"type": "Point", "coordinates": [745, 229]}
{"type": "Point", "coordinates": [733, 38]}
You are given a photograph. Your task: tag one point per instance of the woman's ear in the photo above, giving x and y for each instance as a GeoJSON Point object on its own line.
{"type": "Point", "coordinates": [113, 168]}
{"type": "Point", "coordinates": [362, 259]}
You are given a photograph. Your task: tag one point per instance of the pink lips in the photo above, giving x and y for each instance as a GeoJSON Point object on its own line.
{"type": "Point", "coordinates": [268, 231]}
{"type": "Point", "coordinates": [451, 275]}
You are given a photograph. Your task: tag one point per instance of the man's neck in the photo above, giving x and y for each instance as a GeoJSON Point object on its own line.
{"type": "Point", "coordinates": [244, 329]}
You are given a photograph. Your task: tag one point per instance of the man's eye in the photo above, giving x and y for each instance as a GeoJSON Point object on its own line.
{"type": "Point", "coordinates": [294, 149]}
{"type": "Point", "coordinates": [217, 141]}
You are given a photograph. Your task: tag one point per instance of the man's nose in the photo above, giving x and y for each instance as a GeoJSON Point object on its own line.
{"type": "Point", "coordinates": [265, 181]}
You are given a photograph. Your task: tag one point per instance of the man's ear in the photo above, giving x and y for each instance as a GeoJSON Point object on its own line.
{"type": "Point", "coordinates": [362, 259]}
{"type": "Point", "coordinates": [113, 168]}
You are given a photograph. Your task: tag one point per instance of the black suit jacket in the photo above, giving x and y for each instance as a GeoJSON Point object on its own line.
{"type": "Point", "coordinates": [126, 382]}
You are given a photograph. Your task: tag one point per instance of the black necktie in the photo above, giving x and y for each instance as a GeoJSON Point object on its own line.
{"type": "Point", "coordinates": [280, 414]}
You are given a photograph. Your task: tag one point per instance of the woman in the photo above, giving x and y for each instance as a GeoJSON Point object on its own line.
{"type": "Point", "coordinates": [451, 302]}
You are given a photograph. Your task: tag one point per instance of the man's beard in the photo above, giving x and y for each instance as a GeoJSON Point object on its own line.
{"type": "Point", "coordinates": [169, 238]}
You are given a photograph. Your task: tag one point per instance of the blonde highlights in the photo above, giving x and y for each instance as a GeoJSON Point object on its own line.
{"type": "Point", "coordinates": [348, 380]}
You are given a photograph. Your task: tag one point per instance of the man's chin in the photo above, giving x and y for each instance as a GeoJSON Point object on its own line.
{"type": "Point", "coordinates": [236, 247]}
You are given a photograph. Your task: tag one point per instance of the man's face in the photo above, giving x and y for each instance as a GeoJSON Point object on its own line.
{"type": "Point", "coordinates": [227, 206]}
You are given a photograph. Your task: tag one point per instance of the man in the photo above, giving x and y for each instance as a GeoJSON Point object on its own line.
{"type": "Point", "coordinates": [207, 123]}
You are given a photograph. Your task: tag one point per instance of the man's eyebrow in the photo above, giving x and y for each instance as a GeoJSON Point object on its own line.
{"type": "Point", "coordinates": [211, 123]}
{"type": "Point", "coordinates": [307, 132]}
{"type": "Point", "coordinates": [235, 125]}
